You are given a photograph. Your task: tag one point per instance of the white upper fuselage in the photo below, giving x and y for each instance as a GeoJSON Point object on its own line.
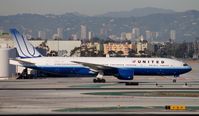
{"type": "Point", "coordinates": [106, 61]}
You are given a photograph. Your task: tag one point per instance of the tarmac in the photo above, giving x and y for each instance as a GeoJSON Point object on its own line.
{"type": "Point", "coordinates": [80, 96]}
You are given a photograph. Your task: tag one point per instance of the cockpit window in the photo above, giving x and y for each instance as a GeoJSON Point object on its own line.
{"type": "Point", "coordinates": [185, 65]}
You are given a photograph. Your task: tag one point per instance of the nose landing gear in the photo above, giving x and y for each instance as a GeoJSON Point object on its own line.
{"type": "Point", "coordinates": [175, 78]}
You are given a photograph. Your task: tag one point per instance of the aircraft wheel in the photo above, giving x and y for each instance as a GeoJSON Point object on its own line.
{"type": "Point", "coordinates": [103, 80]}
{"type": "Point", "coordinates": [95, 80]}
{"type": "Point", "coordinates": [98, 80]}
{"type": "Point", "coordinates": [174, 80]}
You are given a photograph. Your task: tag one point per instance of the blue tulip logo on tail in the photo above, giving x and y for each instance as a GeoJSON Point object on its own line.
{"type": "Point", "coordinates": [24, 48]}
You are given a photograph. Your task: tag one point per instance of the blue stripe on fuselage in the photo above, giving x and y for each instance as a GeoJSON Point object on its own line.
{"type": "Point", "coordinates": [68, 71]}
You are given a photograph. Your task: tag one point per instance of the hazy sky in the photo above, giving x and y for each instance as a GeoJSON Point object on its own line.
{"type": "Point", "coordinates": [89, 7]}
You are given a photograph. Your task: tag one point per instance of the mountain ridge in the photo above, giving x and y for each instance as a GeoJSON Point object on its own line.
{"type": "Point", "coordinates": [138, 12]}
{"type": "Point", "coordinates": [185, 23]}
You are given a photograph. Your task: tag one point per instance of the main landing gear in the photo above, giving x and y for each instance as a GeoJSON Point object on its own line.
{"type": "Point", "coordinates": [99, 78]}
{"type": "Point", "coordinates": [174, 81]}
{"type": "Point", "coordinates": [24, 74]}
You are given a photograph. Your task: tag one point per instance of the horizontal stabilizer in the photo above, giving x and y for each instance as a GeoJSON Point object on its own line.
{"type": "Point", "coordinates": [21, 62]}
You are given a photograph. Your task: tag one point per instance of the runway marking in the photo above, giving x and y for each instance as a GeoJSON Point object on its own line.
{"type": "Point", "coordinates": [120, 108]}
{"type": "Point", "coordinates": [161, 89]}
{"type": "Point", "coordinates": [149, 93]}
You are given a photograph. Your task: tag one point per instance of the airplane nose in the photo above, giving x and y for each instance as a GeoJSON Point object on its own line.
{"type": "Point", "coordinates": [189, 68]}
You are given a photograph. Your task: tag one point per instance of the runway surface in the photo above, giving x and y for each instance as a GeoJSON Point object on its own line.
{"type": "Point", "coordinates": [81, 96]}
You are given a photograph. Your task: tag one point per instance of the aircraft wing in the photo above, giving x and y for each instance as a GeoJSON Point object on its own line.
{"type": "Point", "coordinates": [21, 62]}
{"type": "Point", "coordinates": [95, 67]}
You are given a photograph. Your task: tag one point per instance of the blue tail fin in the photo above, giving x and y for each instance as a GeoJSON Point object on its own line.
{"type": "Point", "coordinates": [24, 48]}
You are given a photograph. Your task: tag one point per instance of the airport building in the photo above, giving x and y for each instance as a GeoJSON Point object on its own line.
{"type": "Point", "coordinates": [7, 70]}
{"type": "Point", "coordinates": [63, 47]}
{"type": "Point", "coordinates": [144, 47]}
{"type": "Point", "coordinates": [116, 47]}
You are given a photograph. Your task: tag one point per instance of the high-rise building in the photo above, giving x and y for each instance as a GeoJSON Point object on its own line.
{"type": "Point", "coordinates": [83, 33]}
{"type": "Point", "coordinates": [173, 35]}
{"type": "Point", "coordinates": [157, 35]}
{"type": "Point", "coordinates": [123, 36]}
{"type": "Point", "coordinates": [74, 37]}
{"type": "Point", "coordinates": [56, 36]}
{"type": "Point", "coordinates": [42, 34]}
{"type": "Point", "coordinates": [28, 36]}
{"type": "Point", "coordinates": [60, 33]}
{"type": "Point", "coordinates": [148, 35]}
{"type": "Point", "coordinates": [90, 35]}
{"type": "Point", "coordinates": [128, 36]}
{"type": "Point", "coordinates": [1, 31]}
{"type": "Point", "coordinates": [135, 32]}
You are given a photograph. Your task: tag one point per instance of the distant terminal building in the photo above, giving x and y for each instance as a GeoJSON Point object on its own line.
{"type": "Point", "coordinates": [63, 47]}
{"type": "Point", "coordinates": [96, 45]}
{"type": "Point", "coordinates": [116, 47]}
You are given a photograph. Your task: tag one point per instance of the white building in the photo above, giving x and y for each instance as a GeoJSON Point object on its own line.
{"type": "Point", "coordinates": [148, 35]}
{"type": "Point", "coordinates": [60, 32]}
{"type": "Point", "coordinates": [90, 35]}
{"type": "Point", "coordinates": [6, 69]}
{"type": "Point", "coordinates": [83, 33]}
{"type": "Point", "coordinates": [6, 42]}
{"type": "Point", "coordinates": [123, 36]}
{"type": "Point", "coordinates": [173, 35]}
{"type": "Point", "coordinates": [143, 46]}
{"type": "Point", "coordinates": [55, 36]}
{"type": "Point", "coordinates": [42, 34]}
{"type": "Point", "coordinates": [135, 32]}
{"type": "Point", "coordinates": [74, 37]}
{"type": "Point", "coordinates": [128, 36]}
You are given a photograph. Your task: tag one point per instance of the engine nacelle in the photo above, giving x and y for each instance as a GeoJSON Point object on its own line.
{"type": "Point", "coordinates": [125, 74]}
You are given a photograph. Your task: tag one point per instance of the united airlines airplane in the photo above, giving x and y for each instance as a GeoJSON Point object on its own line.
{"type": "Point", "coordinates": [122, 68]}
